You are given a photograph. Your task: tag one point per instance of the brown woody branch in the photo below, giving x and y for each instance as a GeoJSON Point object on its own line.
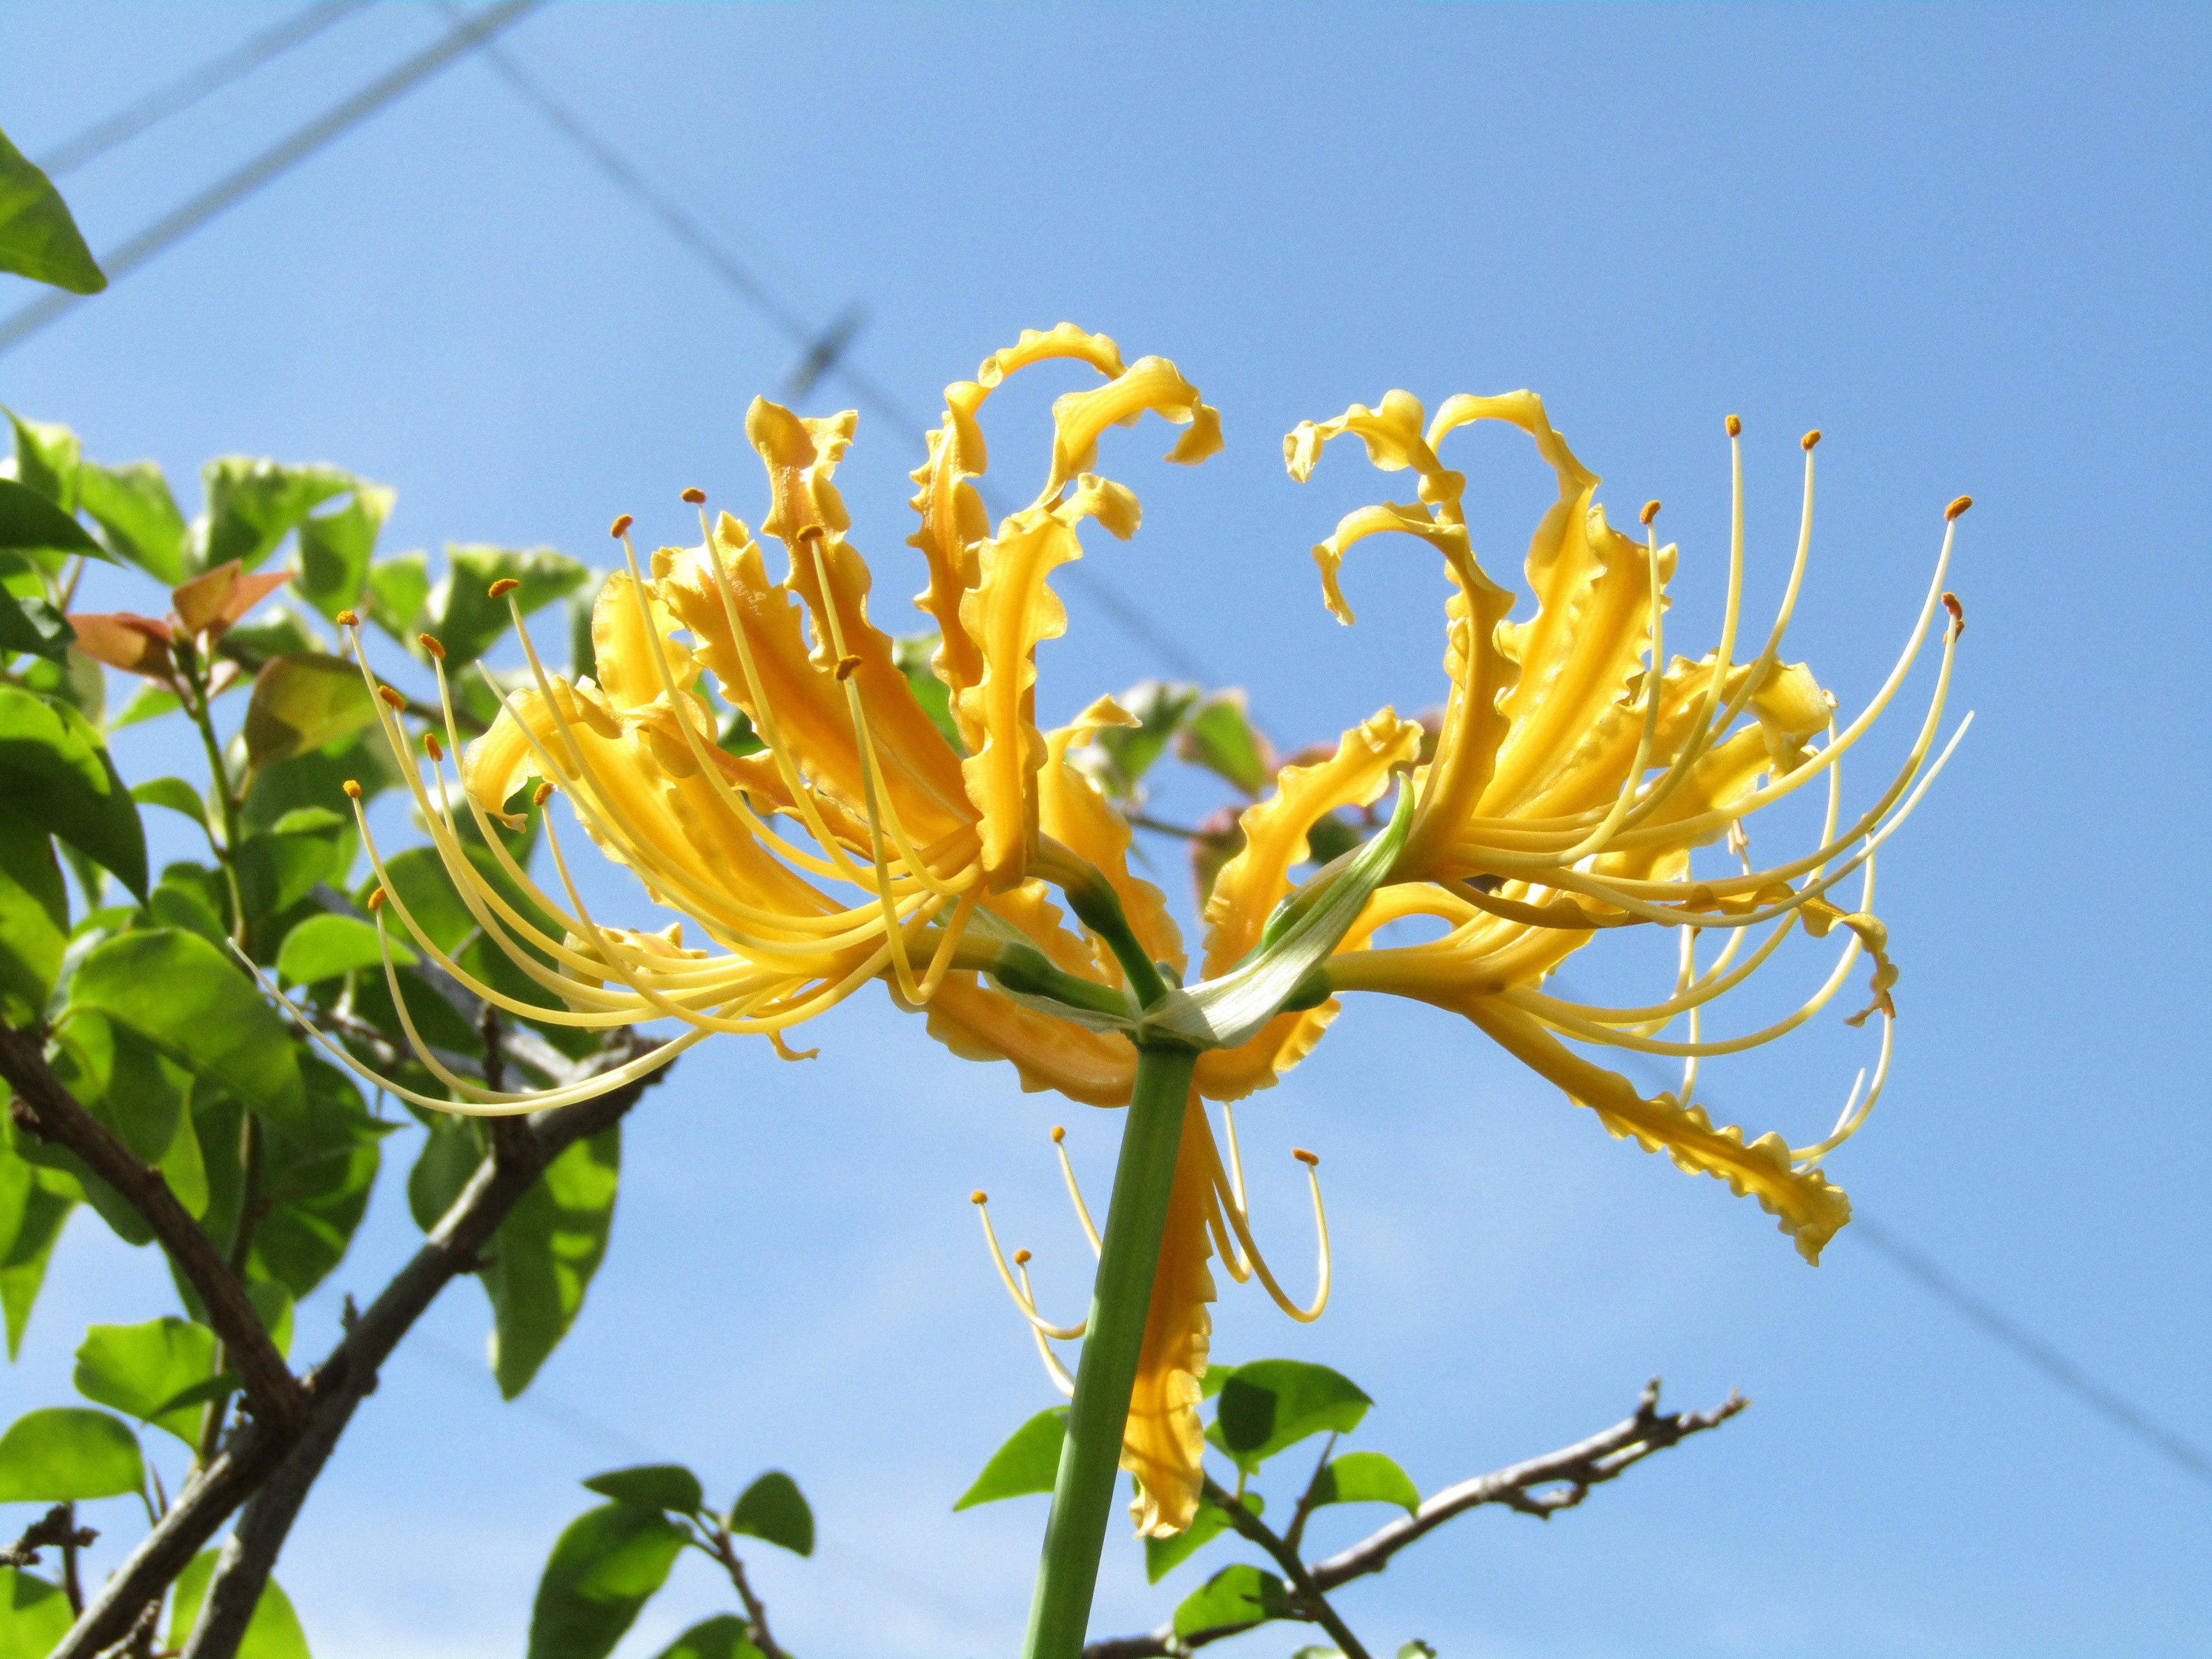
{"type": "Point", "coordinates": [267, 1468]}
{"type": "Point", "coordinates": [757, 1631]}
{"type": "Point", "coordinates": [1541, 1486]}
{"type": "Point", "coordinates": [44, 1107]}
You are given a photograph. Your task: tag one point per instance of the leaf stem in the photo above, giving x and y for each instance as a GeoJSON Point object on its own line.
{"type": "Point", "coordinates": [757, 1631]}
{"type": "Point", "coordinates": [1120, 1299]}
{"type": "Point", "coordinates": [203, 717]}
{"type": "Point", "coordinates": [1311, 1601]}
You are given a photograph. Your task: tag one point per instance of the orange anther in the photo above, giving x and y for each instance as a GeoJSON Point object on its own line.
{"type": "Point", "coordinates": [352, 789]}
{"type": "Point", "coordinates": [1022, 1258]}
{"type": "Point", "coordinates": [1958, 614]}
{"type": "Point", "coordinates": [429, 643]}
{"type": "Point", "coordinates": [1810, 439]}
{"type": "Point", "coordinates": [1735, 427]}
{"type": "Point", "coordinates": [979, 1196]}
{"type": "Point", "coordinates": [391, 696]}
{"type": "Point", "coordinates": [1059, 1134]}
{"type": "Point", "coordinates": [348, 619]}
{"type": "Point", "coordinates": [622, 527]}
{"type": "Point", "coordinates": [1957, 507]}
{"type": "Point", "coordinates": [1310, 1159]}
{"type": "Point", "coordinates": [695, 495]}
{"type": "Point", "coordinates": [1651, 512]}
{"type": "Point", "coordinates": [540, 795]}
{"type": "Point", "coordinates": [430, 742]}
{"type": "Point", "coordinates": [503, 586]}
{"type": "Point", "coordinates": [845, 667]}
{"type": "Point", "coordinates": [376, 900]}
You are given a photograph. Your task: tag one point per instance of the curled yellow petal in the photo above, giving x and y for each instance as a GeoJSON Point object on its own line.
{"type": "Point", "coordinates": [1164, 1440]}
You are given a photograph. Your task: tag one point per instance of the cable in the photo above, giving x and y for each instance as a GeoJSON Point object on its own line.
{"type": "Point", "coordinates": [190, 88]}
{"type": "Point", "coordinates": [824, 351]}
{"type": "Point", "coordinates": [175, 227]}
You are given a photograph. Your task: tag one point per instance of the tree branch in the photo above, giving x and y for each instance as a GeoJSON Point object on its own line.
{"type": "Point", "coordinates": [1604, 1456]}
{"type": "Point", "coordinates": [1285, 1555]}
{"type": "Point", "coordinates": [44, 1107]}
{"type": "Point", "coordinates": [274, 1467]}
{"type": "Point", "coordinates": [757, 1631]}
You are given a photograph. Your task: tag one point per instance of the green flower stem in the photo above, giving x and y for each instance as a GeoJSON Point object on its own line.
{"type": "Point", "coordinates": [1121, 1298]}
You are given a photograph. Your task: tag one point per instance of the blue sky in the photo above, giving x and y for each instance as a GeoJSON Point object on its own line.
{"type": "Point", "coordinates": [1968, 243]}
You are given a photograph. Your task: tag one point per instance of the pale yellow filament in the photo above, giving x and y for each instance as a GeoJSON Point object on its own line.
{"type": "Point", "coordinates": [1026, 1303]}
{"type": "Point", "coordinates": [1240, 1223]}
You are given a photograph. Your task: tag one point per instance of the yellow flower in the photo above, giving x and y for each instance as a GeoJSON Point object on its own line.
{"type": "Point", "coordinates": [1574, 771]}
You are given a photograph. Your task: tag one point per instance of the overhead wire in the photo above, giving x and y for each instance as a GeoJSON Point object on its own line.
{"type": "Point", "coordinates": [235, 187]}
{"type": "Point", "coordinates": [195, 84]}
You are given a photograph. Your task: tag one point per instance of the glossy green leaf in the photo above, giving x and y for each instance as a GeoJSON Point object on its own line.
{"type": "Point", "coordinates": [1332, 836]}
{"type": "Point", "coordinates": [604, 1569]}
{"type": "Point", "coordinates": [252, 505]}
{"type": "Point", "coordinates": [774, 1510]}
{"type": "Point", "coordinates": [181, 993]}
{"type": "Point", "coordinates": [273, 1633]}
{"type": "Point", "coordinates": [141, 1369]}
{"type": "Point", "coordinates": [323, 947]}
{"type": "Point", "coordinates": [1219, 735]}
{"type": "Point", "coordinates": [34, 1204]}
{"type": "Point", "coordinates": [653, 1486]}
{"type": "Point", "coordinates": [722, 1636]}
{"type": "Point", "coordinates": [467, 618]}
{"type": "Point", "coordinates": [912, 655]}
{"type": "Point", "coordinates": [1271, 1404]}
{"type": "Point", "coordinates": [30, 523]}
{"type": "Point", "coordinates": [174, 793]}
{"type": "Point", "coordinates": [1028, 1462]}
{"type": "Point", "coordinates": [1241, 1595]}
{"type": "Point", "coordinates": [54, 770]}
{"type": "Point", "coordinates": [304, 702]}
{"type": "Point", "coordinates": [128, 1083]}
{"type": "Point", "coordinates": [1366, 1477]}
{"type": "Point", "coordinates": [449, 1160]}
{"type": "Point", "coordinates": [1161, 708]}
{"type": "Point", "coordinates": [1417, 1649]}
{"type": "Point", "coordinates": [186, 908]}
{"type": "Point", "coordinates": [33, 919]}
{"type": "Point", "coordinates": [282, 865]}
{"type": "Point", "coordinates": [398, 590]}
{"type": "Point", "coordinates": [319, 777]}
{"type": "Point", "coordinates": [335, 549]}
{"type": "Point", "coordinates": [34, 1615]}
{"type": "Point", "coordinates": [133, 510]}
{"type": "Point", "coordinates": [583, 653]}
{"type": "Point", "coordinates": [272, 1300]}
{"type": "Point", "coordinates": [544, 1253]}
{"type": "Point", "coordinates": [29, 624]}
{"type": "Point", "coordinates": [37, 237]}
{"type": "Point", "coordinates": [317, 1171]}
{"type": "Point", "coordinates": [49, 458]}
{"type": "Point", "coordinates": [148, 703]}
{"type": "Point", "coordinates": [1163, 1555]}
{"type": "Point", "coordinates": [68, 1453]}
{"type": "Point", "coordinates": [1217, 1375]}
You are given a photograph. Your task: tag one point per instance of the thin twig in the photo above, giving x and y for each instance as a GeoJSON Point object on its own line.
{"type": "Point", "coordinates": [757, 1631]}
{"type": "Point", "coordinates": [45, 1107]}
{"type": "Point", "coordinates": [1308, 1597]}
{"type": "Point", "coordinates": [57, 1527]}
{"type": "Point", "coordinates": [1604, 1456]}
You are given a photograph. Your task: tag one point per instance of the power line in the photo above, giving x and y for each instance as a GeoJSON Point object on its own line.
{"type": "Point", "coordinates": [236, 186]}
{"type": "Point", "coordinates": [825, 355]}
{"type": "Point", "coordinates": [191, 87]}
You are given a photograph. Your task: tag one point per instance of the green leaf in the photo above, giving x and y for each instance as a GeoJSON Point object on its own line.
{"type": "Point", "coordinates": [37, 237]}
{"type": "Point", "coordinates": [1028, 1462]}
{"type": "Point", "coordinates": [34, 1615]}
{"type": "Point", "coordinates": [272, 1300]}
{"type": "Point", "coordinates": [323, 947]}
{"type": "Point", "coordinates": [34, 920]}
{"type": "Point", "coordinates": [279, 867]}
{"type": "Point", "coordinates": [178, 991]}
{"type": "Point", "coordinates": [29, 624]}
{"type": "Point", "coordinates": [722, 1636]}
{"type": "Point", "coordinates": [1132, 750]}
{"type": "Point", "coordinates": [1271, 1404]}
{"type": "Point", "coordinates": [175, 794]}
{"type": "Point", "coordinates": [583, 651]}
{"type": "Point", "coordinates": [1217, 1375]}
{"type": "Point", "coordinates": [544, 1255]}
{"type": "Point", "coordinates": [1219, 735]}
{"type": "Point", "coordinates": [54, 770]}
{"type": "Point", "coordinates": [335, 548]}
{"type": "Point", "coordinates": [1332, 836]}
{"type": "Point", "coordinates": [653, 1486]}
{"type": "Point", "coordinates": [273, 1633]}
{"type": "Point", "coordinates": [130, 1085]}
{"type": "Point", "coordinates": [1417, 1649]}
{"type": "Point", "coordinates": [66, 1454]}
{"type": "Point", "coordinates": [467, 618]}
{"type": "Point", "coordinates": [133, 507]}
{"type": "Point", "coordinates": [148, 703]}
{"type": "Point", "coordinates": [604, 1569]}
{"type": "Point", "coordinates": [32, 1208]}
{"type": "Point", "coordinates": [177, 905]}
{"type": "Point", "coordinates": [141, 1369]}
{"type": "Point", "coordinates": [281, 632]}
{"type": "Point", "coordinates": [398, 589]}
{"type": "Point", "coordinates": [773, 1508]}
{"type": "Point", "coordinates": [319, 777]}
{"type": "Point", "coordinates": [443, 1168]}
{"type": "Point", "coordinates": [252, 505]}
{"type": "Point", "coordinates": [1241, 1595]}
{"type": "Point", "coordinates": [1366, 1477]}
{"type": "Point", "coordinates": [48, 456]}
{"type": "Point", "coordinates": [316, 1172]}
{"type": "Point", "coordinates": [29, 523]}
{"type": "Point", "coordinates": [304, 702]}
{"type": "Point", "coordinates": [1163, 1555]}
{"type": "Point", "coordinates": [912, 655]}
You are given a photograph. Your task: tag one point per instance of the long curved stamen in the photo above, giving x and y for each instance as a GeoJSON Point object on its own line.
{"type": "Point", "coordinates": [1849, 1122]}
{"type": "Point", "coordinates": [1240, 1223]}
{"type": "Point", "coordinates": [1023, 1300]}
{"type": "Point", "coordinates": [1074, 1192]}
{"type": "Point", "coordinates": [1059, 1373]}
